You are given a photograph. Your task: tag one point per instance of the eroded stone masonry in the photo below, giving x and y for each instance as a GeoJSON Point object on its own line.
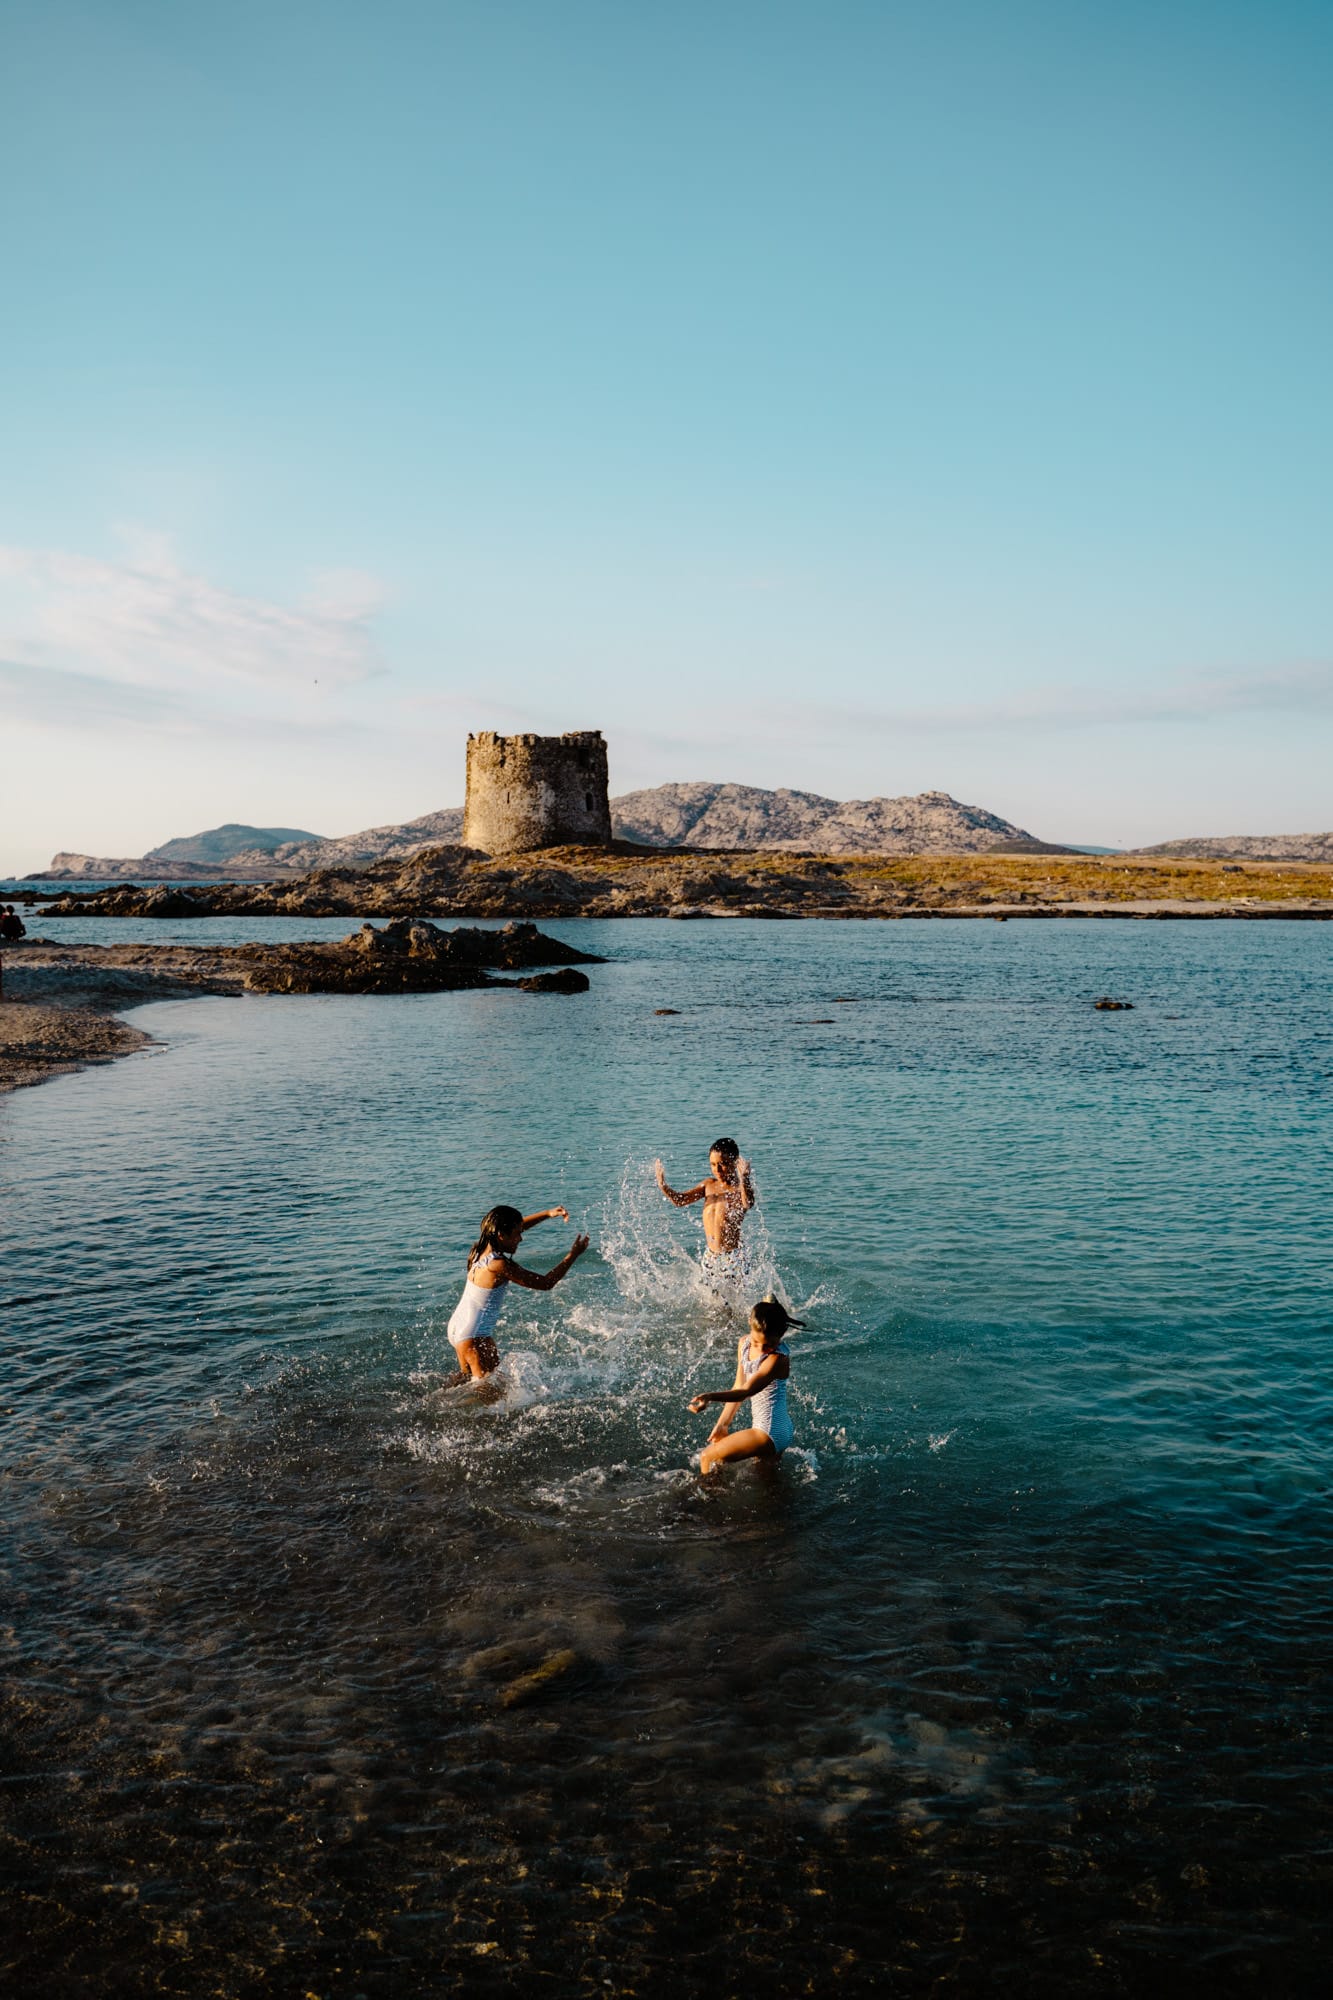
{"type": "Point", "coordinates": [536, 791]}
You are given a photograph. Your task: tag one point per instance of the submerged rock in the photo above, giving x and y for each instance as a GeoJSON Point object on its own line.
{"type": "Point", "coordinates": [1106, 1006]}
{"type": "Point", "coordinates": [564, 981]}
{"type": "Point", "coordinates": [552, 1668]}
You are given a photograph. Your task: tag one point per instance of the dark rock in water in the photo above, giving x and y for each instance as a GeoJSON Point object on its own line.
{"type": "Point", "coordinates": [666, 1010]}
{"type": "Point", "coordinates": [564, 981]}
{"type": "Point", "coordinates": [1105, 1006]}
{"type": "Point", "coordinates": [411, 956]}
{"type": "Point", "coordinates": [128, 900]}
{"type": "Point", "coordinates": [329, 969]}
{"type": "Point", "coordinates": [514, 946]}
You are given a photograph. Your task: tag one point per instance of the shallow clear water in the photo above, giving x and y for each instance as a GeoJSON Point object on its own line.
{"type": "Point", "coordinates": [1014, 1675]}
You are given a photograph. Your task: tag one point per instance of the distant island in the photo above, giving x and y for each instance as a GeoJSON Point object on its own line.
{"type": "Point", "coordinates": [718, 817]}
{"type": "Point", "coordinates": [725, 816]}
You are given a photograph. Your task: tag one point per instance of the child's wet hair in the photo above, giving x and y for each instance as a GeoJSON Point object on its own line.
{"type": "Point", "coordinates": [497, 1222]}
{"type": "Point", "coordinates": [771, 1318]}
{"type": "Point", "coordinates": [726, 1149]}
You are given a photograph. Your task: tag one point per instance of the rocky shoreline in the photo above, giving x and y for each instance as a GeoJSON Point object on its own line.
{"type": "Point", "coordinates": [59, 1002]}
{"type": "Point", "coordinates": [625, 881]}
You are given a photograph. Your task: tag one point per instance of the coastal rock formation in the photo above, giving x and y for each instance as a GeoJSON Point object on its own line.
{"type": "Point", "coordinates": [526, 792]}
{"type": "Point", "coordinates": [95, 868]}
{"type": "Point", "coordinates": [58, 998]}
{"type": "Point", "coordinates": [596, 882]}
{"type": "Point", "coordinates": [1315, 847]}
{"type": "Point", "coordinates": [409, 956]}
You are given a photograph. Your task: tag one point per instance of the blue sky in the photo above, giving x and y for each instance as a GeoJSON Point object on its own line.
{"type": "Point", "coordinates": [862, 398]}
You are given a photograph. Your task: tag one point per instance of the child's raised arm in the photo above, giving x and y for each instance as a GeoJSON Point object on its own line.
{"type": "Point", "coordinates": [546, 1281]}
{"type": "Point", "coordinates": [682, 1200]}
{"type": "Point", "coordinates": [545, 1215]}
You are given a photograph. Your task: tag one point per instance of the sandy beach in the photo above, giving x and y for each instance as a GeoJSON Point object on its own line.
{"type": "Point", "coordinates": [59, 1006]}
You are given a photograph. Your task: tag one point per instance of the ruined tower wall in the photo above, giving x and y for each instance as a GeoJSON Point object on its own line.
{"type": "Point", "coordinates": [536, 791]}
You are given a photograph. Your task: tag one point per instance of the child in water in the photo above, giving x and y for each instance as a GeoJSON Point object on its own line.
{"type": "Point", "coordinates": [762, 1368]}
{"type": "Point", "coordinates": [727, 1196]}
{"type": "Point", "coordinates": [490, 1272]}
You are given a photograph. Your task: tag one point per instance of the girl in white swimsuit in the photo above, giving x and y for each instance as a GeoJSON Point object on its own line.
{"type": "Point", "coordinates": [490, 1272]}
{"type": "Point", "coordinates": [763, 1365]}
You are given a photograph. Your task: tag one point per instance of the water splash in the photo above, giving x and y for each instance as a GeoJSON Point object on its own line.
{"type": "Point", "coordinates": [652, 1256]}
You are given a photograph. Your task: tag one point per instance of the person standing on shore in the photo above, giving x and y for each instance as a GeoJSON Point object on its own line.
{"type": "Point", "coordinates": [763, 1365]}
{"type": "Point", "coordinates": [490, 1272]}
{"type": "Point", "coordinates": [727, 1196]}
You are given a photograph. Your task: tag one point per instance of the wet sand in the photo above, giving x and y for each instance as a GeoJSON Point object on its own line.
{"type": "Point", "coordinates": [37, 1043]}
{"type": "Point", "coordinates": [59, 1003]}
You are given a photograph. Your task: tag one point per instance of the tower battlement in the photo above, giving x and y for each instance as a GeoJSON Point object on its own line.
{"type": "Point", "coordinates": [536, 791]}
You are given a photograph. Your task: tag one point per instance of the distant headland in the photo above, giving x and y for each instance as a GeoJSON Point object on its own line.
{"type": "Point", "coordinates": [707, 815]}
{"type": "Point", "coordinates": [712, 816]}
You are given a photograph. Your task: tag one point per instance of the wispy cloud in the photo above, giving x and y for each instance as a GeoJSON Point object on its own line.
{"type": "Point", "coordinates": [1292, 690]}
{"type": "Point", "coordinates": [50, 696]}
{"type": "Point", "coordinates": [74, 704]}
{"type": "Point", "coordinates": [146, 622]}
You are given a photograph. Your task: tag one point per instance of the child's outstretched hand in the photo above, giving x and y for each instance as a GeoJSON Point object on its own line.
{"type": "Point", "coordinates": [562, 1213]}
{"type": "Point", "coordinates": [698, 1403]}
{"type": "Point", "coordinates": [660, 1171]}
{"type": "Point", "coordinates": [579, 1245]}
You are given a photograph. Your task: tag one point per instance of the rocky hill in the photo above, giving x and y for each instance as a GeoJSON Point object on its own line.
{"type": "Point", "coordinates": [222, 844]}
{"type": "Point", "coordinates": [260, 854]}
{"type": "Point", "coordinates": [743, 816]}
{"type": "Point", "coordinates": [697, 815]}
{"type": "Point", "coordinates": [377, 843]}
{"type": "Point", "coordinates": [1316, 847]}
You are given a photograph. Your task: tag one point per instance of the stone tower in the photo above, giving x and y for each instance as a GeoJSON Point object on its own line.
{"type": "Point", "coordinates": [536, 791]}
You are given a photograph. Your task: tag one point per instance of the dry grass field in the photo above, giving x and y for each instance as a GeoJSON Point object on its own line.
{"type": "Point", "coordinates": [1095, 878]}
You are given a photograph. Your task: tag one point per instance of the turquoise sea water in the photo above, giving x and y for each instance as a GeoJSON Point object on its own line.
{"type": "Point", "coordinates": [1013, 1677]}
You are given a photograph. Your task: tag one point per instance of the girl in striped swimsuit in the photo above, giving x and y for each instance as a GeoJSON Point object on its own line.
{"type": "Point", "coordinates": [762, 1368]}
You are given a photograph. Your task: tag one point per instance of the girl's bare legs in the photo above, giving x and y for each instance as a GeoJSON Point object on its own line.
{"type": "Point", "coordinates": [476, 1360]}
{"type": "Point", "coordinates": [745, 1444]}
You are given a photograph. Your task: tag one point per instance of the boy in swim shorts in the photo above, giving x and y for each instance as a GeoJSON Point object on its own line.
{"type": "Point", "coordinates": [727, 1196]}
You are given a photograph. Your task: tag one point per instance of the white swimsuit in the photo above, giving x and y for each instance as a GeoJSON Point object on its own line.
{"type": "Point", "coordinates": [477, 1312]}
{"type": "Point", "coordinates": [768, 1409]}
